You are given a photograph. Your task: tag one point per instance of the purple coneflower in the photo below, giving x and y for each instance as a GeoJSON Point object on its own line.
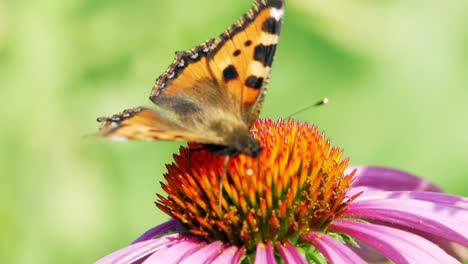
{"type": "Point", "coordinates": [298, 203]}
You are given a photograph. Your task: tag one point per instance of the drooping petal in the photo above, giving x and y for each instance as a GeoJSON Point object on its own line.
{"type": "Point", "coordinates": [229, 255]}
{"type": "Point", "coordinates": [454, 249]}
{"type": "Point", "coordinates": [290, 254]}
{"type": "Point", "coordinates": [140, 250]}
{"type": "Point", "coordinates": [442, 220]}
{"type": "Point", "coordinates": [172, 224]}
{"type": "Point", "coordinates": [387, 179]}
{"type": "Point", "coordinates": [397, 245]}
{"type": "Point", "coordinates": [174, 253]}
{"type": "Point", "coordinates": [239, 255]}
{"type": "Point", "coordinates": [368, 253]}
{"type": "Point", "coordinates": [334, 251]}
{"type": "Point", "coordinates": [205, 254]}
{"type": "Point", "coordinates": [439, 198]}
{"type": "Point", "coordinates": [264, 254]}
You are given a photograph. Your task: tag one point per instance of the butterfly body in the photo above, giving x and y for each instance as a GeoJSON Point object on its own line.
{"type": "Point", "coordinates": [211, 94]}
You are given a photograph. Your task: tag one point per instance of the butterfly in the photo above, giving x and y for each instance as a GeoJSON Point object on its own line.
{"type": "Point", "coordinates": [211, 94]}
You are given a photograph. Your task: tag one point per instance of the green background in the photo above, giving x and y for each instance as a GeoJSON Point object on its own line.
{"type": "Point", "coordinates": [396, 73]}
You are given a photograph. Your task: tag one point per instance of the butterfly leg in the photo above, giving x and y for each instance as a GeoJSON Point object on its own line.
{"type": "Point", "coordinates": [194, 149]}
{"type": "Point", "coordinates": [223, 177]}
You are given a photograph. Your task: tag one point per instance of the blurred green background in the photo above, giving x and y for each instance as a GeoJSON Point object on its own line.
{"type": "Point", "coordinates": [396, 73]}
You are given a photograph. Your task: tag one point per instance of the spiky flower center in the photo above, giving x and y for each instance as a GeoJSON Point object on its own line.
{"type": "Point", "coordinates": [296, 185]}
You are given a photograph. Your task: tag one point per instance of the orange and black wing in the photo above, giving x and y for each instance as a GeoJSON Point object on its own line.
{"type": "Point", "coordinates": [142, 123]}
{"type": "Point", "coordinates": [242, 57]}
{"type": "Point", "coordinates": [238, 62]}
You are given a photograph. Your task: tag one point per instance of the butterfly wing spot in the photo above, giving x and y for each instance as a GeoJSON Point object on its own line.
{"type": "Point", "coordinates": [115, 119]}
{"type": "Point", "coordinates": [230, 73]}
{"type": "Point", "coordinates": [236, 53]}
{"type": "Point", "coordinates": [254, 82]}
{"type": "Point", "coordinates": [277, 13]}
{"type": "Point", "coordinates": [272, 26]}
{"type": "Point", "coordinates": [278, 4]}
{"type": "Point", "coordinates": [264, 54]}
{"type": "Point", "coordinates": [181, 64]}
{"type": "Point", "coordinates": [170, 76]}
{"type": "Point", "coordinates": [247, 43]}
{"type": "Point", "coordinates": [195, 56]}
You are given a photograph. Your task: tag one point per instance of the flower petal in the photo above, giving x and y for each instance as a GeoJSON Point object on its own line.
{"type": "Point", "coordinates": [452, 248]}
{"type": "Point", "coordinates": [439, 198]}
{"type": "Point", "coordinates": [205, 254]}
{"type": "Point", "coordinates": [264, 254]}
{"type": "Point", "coordinates": [397, 245]}
{"type": "Point", "coordinates": [368, 253]}
{"type": "Point", "coordinates": [388, 179]}
{"type": "Point", "coordinates": [172, 224]}
{"type": "Point", "coordinates": [240, 253]}
{"type": "Point", "coordinates": [290, 254]}
{"type": "Point", "coordinates": [140, 250]}
{"type": "Point", "coordinates": [442, 220]}
{"type": "Point", "coordinates": [175, 252]}
{"type": "Point", "coordinates": [229, 255]}
{"type": "Point", "coordinates": [334, 251]}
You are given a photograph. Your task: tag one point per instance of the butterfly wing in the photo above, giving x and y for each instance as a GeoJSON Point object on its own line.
{"type": "Point", "coordinates": [241, 58]}
{"type": "Point", "coordinates": [238, 61]}
{"type": "Point", "coordinates": [142, 123]}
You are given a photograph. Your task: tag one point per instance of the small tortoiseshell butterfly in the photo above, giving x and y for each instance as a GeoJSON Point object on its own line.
{"type": "Point", "coordinates": [213, 93]}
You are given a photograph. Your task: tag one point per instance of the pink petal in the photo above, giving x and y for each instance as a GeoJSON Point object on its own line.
{"type": "Point", "coordinates": [397, 245]}
{"type": "Point", "coordinates": [206, 254]}
{"type": "Point", "coordinates": [454, 249]}
{"type": "Point", "coordinates": [445, 221]}
{"type": "Point", "coordinates": [387, 179]}
{"type": "Point", "coordinates": [368, 253]}
{"type": "Point", "coordinates": [334, 251]}
{"type": "Point", "coordinates": [439, 198]}
{"type": "Point", "coordinates": [175, 252]}
{"type": "Point", "coordinates": [264, 254]}
{"type": "Point", "coordinates": [159, 230]}
{"type": "Point", "coordinates": [290, 254]}
{"type": "Point", "coordinates": [229, 255]}
{"type": "Point", "coordinates": [140, 250]}
{"type": "Point", "coordinates": [239, 255]}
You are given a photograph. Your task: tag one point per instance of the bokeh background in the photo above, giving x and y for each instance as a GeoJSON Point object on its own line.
{"type": "Point", "coordinates": [396, 73]}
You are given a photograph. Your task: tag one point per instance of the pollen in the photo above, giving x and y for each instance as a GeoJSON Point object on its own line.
{"type": "Point", "coordinates": [295, 186]}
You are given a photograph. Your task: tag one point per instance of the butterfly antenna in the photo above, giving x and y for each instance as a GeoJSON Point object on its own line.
{"type": "Point", "coordinates": [223, 176]}
{"type": "Point", "coordinates": [324, 101]}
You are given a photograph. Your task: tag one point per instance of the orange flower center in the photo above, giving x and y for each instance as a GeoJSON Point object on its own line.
{"type": "Point", "coordinates": [296, 185]}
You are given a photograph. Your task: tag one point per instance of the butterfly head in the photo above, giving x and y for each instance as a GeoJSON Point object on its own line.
{"type": "Point", "coordinates": [250, 147]}
{"type": "Point", "coordinates": [241, 142]}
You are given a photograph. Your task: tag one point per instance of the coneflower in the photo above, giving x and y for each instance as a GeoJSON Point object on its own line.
{"type": "Point", "coordinates": [298, 202]}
